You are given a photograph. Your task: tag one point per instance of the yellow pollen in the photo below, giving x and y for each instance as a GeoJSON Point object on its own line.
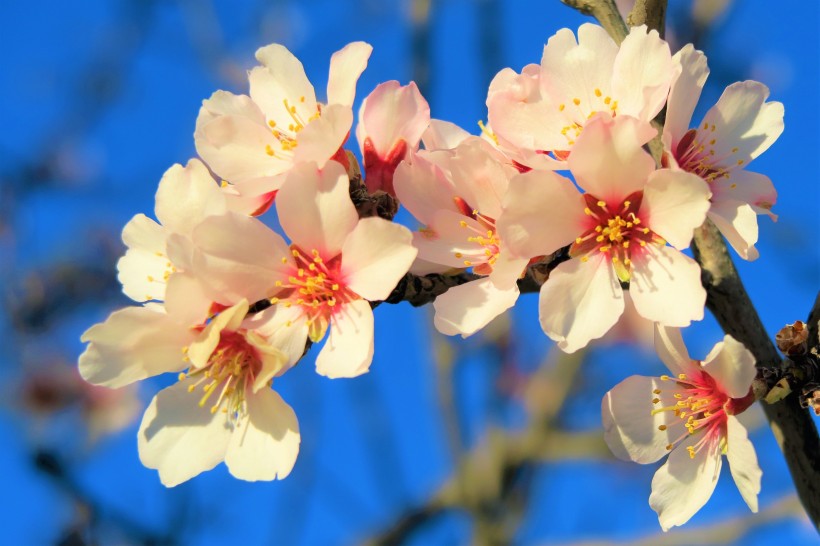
{"type": "Point", "coordinates": [268, 150]}
{"type": "Point", "coordinates": [576, 101]}
{"type": "Point", "coordinates": [656, 391]}
{"type": "Point", "coordinates": [740, 162]}
{"type": "Point", "coordinates": [661, 427]}
{"type": "Point", "coordinates": [468, 263]}
{"type": "Point", "coordinates": [734, 150]}
{"type": "Point", "coordinates": [561, 107]}
{"type": "Point", "coordinates": [601, 204]}
{"type": "Point", "coordinates": [181, 376]}
{"type": "Point", "coordinates": [598, 92]}
{"type": "Point", "coordinates": [607, 100]}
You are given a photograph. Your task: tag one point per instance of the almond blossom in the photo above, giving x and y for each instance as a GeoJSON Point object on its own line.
{"type": "Point", "coordinates": [457, 195]}
{"type": "Point", "coordinates": [252, 141]}
{"type": "Point", "coordinates": [740, 127]}
{"type": "Point", "coordinates": [391, 121]}
{"type": "Point", "coordinates": [545, 108]}
{"type": "Point", "coordinates": [691, 416]}
{"type": "Point", "coordinates": [325, 280]}
{"type": "Point", "coordinates": [618, 230]}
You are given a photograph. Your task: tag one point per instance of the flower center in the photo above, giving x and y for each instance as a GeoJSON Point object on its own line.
{"type": "Point", "coordinates": [700, 404]}
{"type": "Point", "coordinates": [695, 153]}
{"type": "Point", "coordinates": [618, 232]}
{"type": "Point", "coordinates": [578, 111]}
{"type": "Point", "coordinates": [230, 370]}
{"type": "Point", "coordinates": [288, 137]}
{"type": "Point", "coordinates": [315, 286]}
{"type": "Point", "coordinates": [484, 235]}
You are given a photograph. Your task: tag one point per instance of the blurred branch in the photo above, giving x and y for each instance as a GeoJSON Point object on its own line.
{"type": "Point", "coordinates": [485, 479]}
{"type": "Point", "coordinates": [606, 12]}
{"type": "Point", "coordinates": [651, 13]}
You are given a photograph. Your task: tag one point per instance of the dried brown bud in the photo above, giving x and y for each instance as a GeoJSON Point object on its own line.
{"type": "Point", "coordinates": [792, 339]}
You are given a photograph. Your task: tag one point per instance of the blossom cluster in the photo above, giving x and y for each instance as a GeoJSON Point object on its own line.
{"type": "Point", "coordinates": [230, 305]}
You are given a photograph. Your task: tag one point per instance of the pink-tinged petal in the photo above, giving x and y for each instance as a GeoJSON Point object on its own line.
{"type": "Point", "coordinates": [423, 189]}
{"type": "Point", "coordinates": [641, 74]}
{"type": "Point", "coordinates": [348, 350]}
{"type": "Point", "coordinates": [479, 176]}
{"type": "Point", "coordinates": [521, 87]}
{"type": "Point", "coordinates": [252, 197]}
{"type": "Point", "coordinates": [186, 195]}
{"type": "Point", "coordinates": [467, 308]}
{"type": "Point", "coordinates": [543, 211]}
{"type": "Point", "coordinates": [580, 302]}
{"type": "Point", "coordinates": [630, 427]}
{"type": "Point", "coordinates": [576, 70]}
{"type": "Point", "coordinates": [265, 443]}
{"type": "Point", "coordinates": [732, 366]}
{"type": "Point", "coordinates": [233, 138]}
{"type": "Point", "coordinates": [142, 270]}
{"type": "Point", "coordinates": [443, 135]}
{"type": "Point", "coordinates": [743, 462]}
{"type": "Point", "coordinates": [754, 189]}
{"type": "Point", "coordinates": [448, 240]}
{"type": "Point", "coordinates": [375, 256]}
{"type": "Point", "coordinates": [322, 137]}
{"type": "Point", "coordinates": [690, 77]}
{"type": "Point", "coordinates": [315, 209]}
{"type": "Point", "coordinates": [282, 79]}
{"type": "Point", "coordinates": [531, 125]}
{"type": "Point", "coordinates": [132, 344]}
{"type": "Point", "coordinates": [393, 112]}
{"type": "Point", "coordinates": [283, 327]}
{"type": "Point", "coordinates": [179, 438]}
{"type": "Point", "coordinates": [187, 301]}
{"type": "Point", "coordinates": [608, 161]}
{"type": "Point", "coordinates": [201, 349]}
{"type": "Point", "coordinates": [672, 351]}
{"type": "Point", "coordinates": [507, 269]}
{"type": "Point", "coordinates": [234, 271]}
{"type": "Point", "coordinates": [346, 65]}
{"type": "Point", "coordinates": [665, 287]}
{"type": "Point", "coordinates": [683, 485]}
{"type": "Point", "coordinates": [738, 223]}
{"type": "Point", "coordinates": [674, 204]}
{"type": "Point", "coordinates": [743, 121]}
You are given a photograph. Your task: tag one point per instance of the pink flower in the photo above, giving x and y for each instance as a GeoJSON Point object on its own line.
{"type": "Point", "coordinates": [740, 127]}
{"type": "Point", "coordinates": [391, 121]}
{"type": "Point", "coordinates": [335, 266]}
{"type": "Point", "coordinates": [545, 109]}
{"type": "Point", "coordinates": [691, 416]}
{"type": "Point", "coordinates": [617, 230]}
{"type": "Point", "coordinates": [252, 141]}
{"type": "Point", "coordinates": [457, 195]}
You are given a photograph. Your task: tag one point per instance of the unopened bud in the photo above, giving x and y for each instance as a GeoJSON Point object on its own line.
{"type": "Point", "coordinates": [792, 339]}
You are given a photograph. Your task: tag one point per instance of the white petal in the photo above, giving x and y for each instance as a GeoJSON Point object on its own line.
{"type": "Point", "coordinates": [393, 112]}
{"type": "Point", "coordinates": [743, 462]}
{"type": "Point", "coordinates": [630, 429]}
{"type": "Point", "coordinates": [542, 212]}
{"type": "Point", "coordinates": [284, 328]}
{"type": "Point", "coordinates": [348, 350]}
{"type": "Point", "coordinates": [186, 195]}
{"type": "Point", "coordinates": [265, 443]}
{"type": "Point", "coordinates": [443, 135]}
{"type": "Point", "coordinates": [665, 287]}
{"type": "Point", "coordinates": [684, 93]}
{"type": "Point", "coordinates": [346, 65]}
{"type": "Point", "coordinates": [322, 137]}
{"type": "Point", "coordinates": [732, 366]}
{"type": "Point", "coordinates": [480, 176]}
{"type": "Point", "coordinates": [641, 74]}
{"type": "Point", "coordinates": [737, 222]}
{"type": "Point", "coordinates": [580, 302]}
{"type": "Point", "coordinates": [671, 349]}
{"type": "Point", "coordinates": [202, 348]}
{"type": "Point", "coordinates": [675, 203]}
{"type": "Point", "coordinates": [315, 209]}
{"type": "Point", "coordinates": [683, 485]}
{"type": "Point", "coordinates": [143, 268]}
{"type": "Point", "coordinates": [179, 438]}
{"type": "Point", "coordinates": [608, 161]}
{"type": "Point", "coordinates": [423, 189]}
{"type": "Point", "coordinates": [282, 78]}
{"type": "Point", "coordinates": [375, 256]}
{"type": "Point", "coordinates": [187, 301]}
{"type": "Point", "coordinates": [467, 308]}
{"type": "Point", "coordinates": [132, 344]}
{"type": "Point", "coordinates": [747, 187]}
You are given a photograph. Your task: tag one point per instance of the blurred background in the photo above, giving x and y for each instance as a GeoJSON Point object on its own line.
{"type": "Point", "coordinates": [492, 439]}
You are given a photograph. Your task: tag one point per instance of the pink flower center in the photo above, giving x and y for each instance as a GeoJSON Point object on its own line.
{"type": "Point", "coordinates": [231, 369]}
{"type": "Point", "coordinates": [702, 406]}
{"type": "Point", "coordinates": [484, 235]}
{"type": "Point", "coordinates": [616, 231]}
{"type": "Point", "coordinates": [317, 287]}
{"type": "Point", "coordinates": [695, 153]}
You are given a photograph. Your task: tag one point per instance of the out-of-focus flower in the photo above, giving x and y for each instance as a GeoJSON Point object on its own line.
{"type": "Point", "coordinates": [391, 121]}
{"type": "Point", "coordinates": [740, 127]}
{"type": "Point", "coordinates": [336, 265]}
{"type": "Point", "coordinates": [618, 232]}
{"type": "Point", "coordinates": [690, 415]}
{"type": "Point", "coordinates": [545, 108]}
{"type": "Point", "coordinates": [253, 141]}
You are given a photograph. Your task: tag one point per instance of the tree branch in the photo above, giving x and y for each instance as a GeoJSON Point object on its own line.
{"type": "Point", "coordinates": [606, 12]}
{"type": "Point", "coordinates": [651, 13]}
